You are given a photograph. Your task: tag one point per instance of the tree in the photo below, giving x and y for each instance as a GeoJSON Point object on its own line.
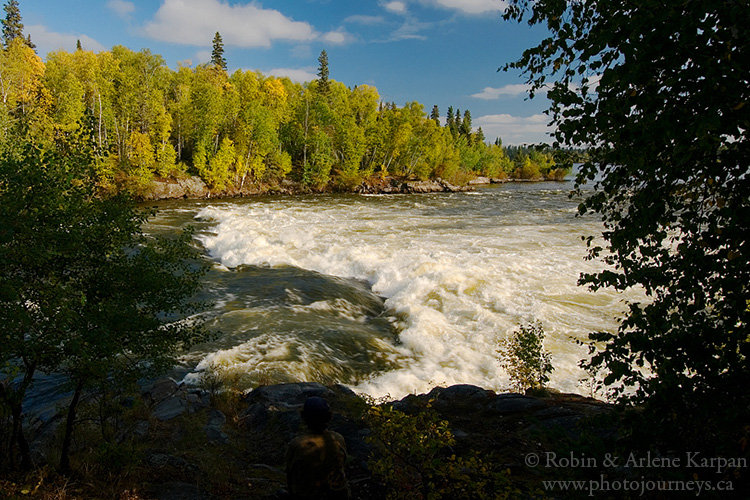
{"type": "Point", "coordinates": [450, 118]}
{"type": "Point", "coordinates": [661, 99]}
{"type": "Point", "coordinates": [466, 124]}
{"type": "Point", "coordinates": [12, 25]}
{"type": "Point", "coordinates": [217, 54]}
{"type": "Point", "coordinates": [435, 114]}
{"type": "Point", "coordinates": [83, 292]}
{"type": "Point", "coordinates": [323, 84]}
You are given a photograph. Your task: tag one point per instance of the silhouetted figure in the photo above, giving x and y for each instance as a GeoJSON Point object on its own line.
{"type": "Point", "coordinates": [315, 461]}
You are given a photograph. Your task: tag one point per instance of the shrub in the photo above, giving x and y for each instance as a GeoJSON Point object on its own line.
{"type": "Point", "coordinates": [523, 356]}
{"type": "Point", "coordinates": [416, 461]}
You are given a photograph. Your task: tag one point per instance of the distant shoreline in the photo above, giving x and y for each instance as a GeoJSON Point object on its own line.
{"type": "Point", "coordinates": [193, 188]}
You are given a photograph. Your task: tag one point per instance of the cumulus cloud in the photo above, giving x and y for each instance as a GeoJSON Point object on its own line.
{"type": "Point", "coordinates": [194, 22]}
{"type": "Point", "coordinates": [471, 6]}
{"type": "Point", "coordinates": [395, 6]}
{"type": "Point", "coordinates": [515, 129]}
{"type": "Point", "coordinates": [337, 37]}
{"type": "Point", "coordinates": [48, 41]}
{"type": "Point", "coordinates": [300, 75]}
{"type": "Point", "coordinates": [121, 7]}
{"type": "Point", "coordinates": [490, 93]}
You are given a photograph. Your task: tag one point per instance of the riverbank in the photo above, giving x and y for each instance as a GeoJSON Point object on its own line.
{"type": "Point", "coordinates": [175, 442]}
{"type": "Point", "coordinates": [194, 188]}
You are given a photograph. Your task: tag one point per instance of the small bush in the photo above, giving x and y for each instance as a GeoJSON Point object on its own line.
{"type": "Point", "coordinates": [523, 356]}
{"type": "Point", "coordinates": [415, 460]}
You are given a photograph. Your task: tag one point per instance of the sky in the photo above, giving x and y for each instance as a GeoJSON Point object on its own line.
{"type": "Point", "coordinates": [436, 52]}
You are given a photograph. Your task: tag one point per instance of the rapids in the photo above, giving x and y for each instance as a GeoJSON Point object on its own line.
{"type": "Point", "coordinates": [393, 294]}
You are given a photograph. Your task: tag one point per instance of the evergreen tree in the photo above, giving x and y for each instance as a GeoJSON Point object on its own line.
{"type": "Point", "coordinates": [12, 25]}
{"type": "Point", "coordinates": [78, 45]}
{"type": "Point", "coordinates": [456, 129]}
{"type": "Point", "coordinates": [217, 55]}
{"type": "Point", "coordinates": [323, 83]}
{"type": "Point", "coordinates": [465, 128]}
{"type": "Point", "coordinates": [450, 118]}
{"type": "Point", "coordinates": [435, 115]}
{"type": "Point", "coordinates": [480, 135]}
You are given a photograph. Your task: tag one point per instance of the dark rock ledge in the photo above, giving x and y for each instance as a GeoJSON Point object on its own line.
{"type": "Point", "coordinates": [507, 424]}
{"type": "Point", "coordinates": [192, 445]}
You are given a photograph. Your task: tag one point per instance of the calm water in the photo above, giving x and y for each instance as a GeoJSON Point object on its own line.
{"type": "Point", "coordinates": [393, 294]}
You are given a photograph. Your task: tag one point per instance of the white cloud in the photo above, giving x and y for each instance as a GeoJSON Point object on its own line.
{"type": "Point", "coordinates": [471, 6]}
{"type": "Point", "coordinates": [121, 7]}
{"type": "Point", "coordinates": [395, 6]}
{"type": "Point", "coordinates": [490, 93]}
{"type": "Point", "coordinates": [515, 129]}
{"type": "Point", "coordinates": [337, 37]}
{"type": "Point", "coordinates": [300, 75]}
{"type": "Point", "coordinates": [194, 22]}
{"type": "Point", "coordinates": [364, 19]}
{"type": "Point", "coordinates": [48, 41]}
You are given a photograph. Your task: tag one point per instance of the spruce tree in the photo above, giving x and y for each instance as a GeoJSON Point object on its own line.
{"type": "Point", "coordinates": [435, 115]}
{"type": "Point", "coordinates": [465, 128]}
{"type": "Point", "coordinates": [12, 25]}
{"type": "Point", "coordinates": [323, 84]}
{"type": "Point", "coordinates": [217, 55]}
{"type": "Point", "coordinates": [450, 119]}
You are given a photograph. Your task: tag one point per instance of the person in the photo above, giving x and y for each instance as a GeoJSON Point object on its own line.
{"type": "Point", "coordinates": [315, 461]}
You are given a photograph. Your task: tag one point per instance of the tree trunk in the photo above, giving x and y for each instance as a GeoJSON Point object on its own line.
{"type": "Point", "coordinates": [14, 399]}
{"type": "Point", "coordinates": [69, 424]}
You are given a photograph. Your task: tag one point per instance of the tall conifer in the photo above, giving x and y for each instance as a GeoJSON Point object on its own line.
{"type": "Point", "coordinates": [12, 25]}
{"type": "Point", "coordinates": [217, 55]}
{"type": "Point", "coordinates": [435, 115]}
{"type": "Point", "coordinates": [323, 84]}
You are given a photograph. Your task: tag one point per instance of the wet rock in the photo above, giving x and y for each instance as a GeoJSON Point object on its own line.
{"type": "Point", "coordinates": [288, 396]}
{"type": "Point", "coordinates": [160, 390]}
{"type": "Point", "coordinates": [514, 403]}
{"type": "Point", "coordinates": [170, 408]}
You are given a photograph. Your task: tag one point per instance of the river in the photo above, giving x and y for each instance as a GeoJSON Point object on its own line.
{"type": "Point", "coordinates": [392, 294]}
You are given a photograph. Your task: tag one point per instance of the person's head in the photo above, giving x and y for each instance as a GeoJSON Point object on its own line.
{"type": "Point", "coordinates": [316, 413]}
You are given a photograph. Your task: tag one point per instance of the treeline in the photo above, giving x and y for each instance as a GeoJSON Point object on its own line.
{"type": "Point", "coordinates": [148, 121]}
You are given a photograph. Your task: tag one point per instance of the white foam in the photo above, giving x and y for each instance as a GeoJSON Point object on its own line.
{"type": "Point", "coordinates": [461, 283]}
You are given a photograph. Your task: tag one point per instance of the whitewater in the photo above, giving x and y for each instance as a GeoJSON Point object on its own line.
{"type": "Point", "coordinates": [395, 294]}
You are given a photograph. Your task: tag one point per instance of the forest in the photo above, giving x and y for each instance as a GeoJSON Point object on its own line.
{"type": "Point", "coordinates": [149, 122]}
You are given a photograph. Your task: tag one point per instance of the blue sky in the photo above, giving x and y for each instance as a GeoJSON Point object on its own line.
{"type": "Point", "coordinates": [443, 52]}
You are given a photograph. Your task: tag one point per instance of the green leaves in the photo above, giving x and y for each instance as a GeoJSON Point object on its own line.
{"type": "Point", "coordinates": [84, 290]}
{"type": "Point", "coordinates": [523, 356]}
{"type": "Point", "coordinates": [415, 459]}
{"type": "Point", "coordinates": [670, 143]}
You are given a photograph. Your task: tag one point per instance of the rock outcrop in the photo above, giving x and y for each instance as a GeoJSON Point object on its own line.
{"type": "Point", "coordinates": [269, 417]}
{"type": "Point", "coordinates": [394, 185]}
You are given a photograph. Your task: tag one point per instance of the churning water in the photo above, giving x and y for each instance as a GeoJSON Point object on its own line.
{"type": "Point", "coordinates": [397, 293]}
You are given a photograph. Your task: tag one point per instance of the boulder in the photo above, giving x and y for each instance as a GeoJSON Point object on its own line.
{"type": "Point", "coordinates": [190, 187]}
{"type": "Point", "coordinates": [479, 181]}
{"type": "Point", "coordinates": [214, 428]}
{"type": "Point", "coordinates": [288, 396]}
{"type": "Point", "coordinates": [514, 403]}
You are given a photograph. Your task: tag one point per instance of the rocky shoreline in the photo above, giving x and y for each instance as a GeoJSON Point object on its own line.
{"type": "Point", "coordinates": [191, 448]}
{"type": "Point", "coordinates": [194, 188]}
